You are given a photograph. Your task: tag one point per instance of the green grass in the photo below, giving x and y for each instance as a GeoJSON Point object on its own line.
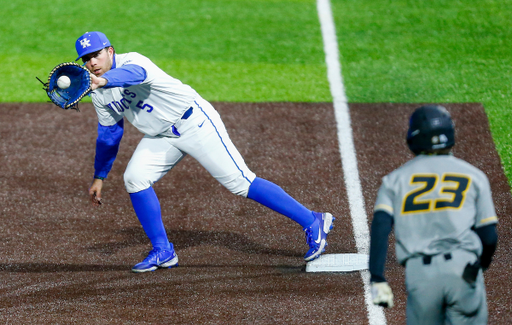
{"type": "Point", "coordinates": [269, 50]}
{"type": "Point", "coordinates": [230, 50]}
{"type": "Point", "coordinates": [434, 51]}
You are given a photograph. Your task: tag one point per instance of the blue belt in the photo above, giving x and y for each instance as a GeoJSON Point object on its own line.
{"type": "Point", "coordinates": [185, 116]}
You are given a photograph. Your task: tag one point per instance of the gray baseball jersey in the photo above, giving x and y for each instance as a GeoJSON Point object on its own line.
{"type": "Point", "coordinates": [435, 201]}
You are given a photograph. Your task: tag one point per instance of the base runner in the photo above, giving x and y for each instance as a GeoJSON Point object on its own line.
{"type": "Point", "coordinates": [444, 220]}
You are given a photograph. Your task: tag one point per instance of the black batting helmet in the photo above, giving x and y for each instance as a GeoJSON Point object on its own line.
{"type": "Point", "coordinates": [430, 129]}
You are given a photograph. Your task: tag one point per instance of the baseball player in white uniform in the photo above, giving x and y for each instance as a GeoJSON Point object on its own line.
{"type": "Point", "coordinates": [443, 214]}
{"type": "Point", "coordinates": [176, 121]}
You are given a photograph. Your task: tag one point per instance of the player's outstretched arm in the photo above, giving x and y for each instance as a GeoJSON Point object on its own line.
{"type": "Point", "coordinates": [125, 76]}
{"type": "Point", "coordinates": [95, 191]}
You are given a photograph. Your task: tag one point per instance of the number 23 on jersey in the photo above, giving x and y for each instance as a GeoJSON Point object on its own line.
{"type": "Point", "coordinates": [451, 192]}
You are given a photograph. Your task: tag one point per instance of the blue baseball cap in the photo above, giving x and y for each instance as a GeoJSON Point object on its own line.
{"type": "Point", "coordinates": [90, 42]}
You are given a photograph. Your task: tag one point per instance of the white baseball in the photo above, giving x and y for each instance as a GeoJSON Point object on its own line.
{"type": "Point", "coordinates": [63, 82]}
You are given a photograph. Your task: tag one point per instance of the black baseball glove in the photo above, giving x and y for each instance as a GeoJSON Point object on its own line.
{"type": "Point", "coordinates": [67, 96]}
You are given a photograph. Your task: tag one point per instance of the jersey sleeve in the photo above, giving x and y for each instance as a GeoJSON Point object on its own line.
{"type": "Point", "coordinates": [381, 227]}
{"type": "Point", "coordinates": [125, 76]}
{"type": "Point", "coordinates": [110, 132]}
{"type": "Point", "coordinates": [485, 212]}
{"type": "Point", "coordinates": [107, 146]}
{"type": "Point", "coordinates": [385, 195]}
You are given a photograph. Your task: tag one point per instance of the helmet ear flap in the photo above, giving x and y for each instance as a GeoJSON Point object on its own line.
{"type": "Point", "coordinates": [415, 150]}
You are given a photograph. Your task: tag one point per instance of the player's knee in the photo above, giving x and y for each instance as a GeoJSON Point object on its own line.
{"type": "Point", "coordinates": [238, 185]}
{"type": "Point", "coordinates": [135, 182]}
{"type": "Point", "coordinates": [241, 191]}
{"type": "Point", "coordinates": [238, 188]}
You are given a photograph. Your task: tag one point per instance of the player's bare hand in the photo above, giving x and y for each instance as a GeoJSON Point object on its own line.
{"type": "Point", "coordinates": [95, 192]}
{"type": "Point", "coordinates": [97, 82]}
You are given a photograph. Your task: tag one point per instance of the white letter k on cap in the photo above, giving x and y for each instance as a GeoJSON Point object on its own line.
{"type": "Point", "coordinates": [85, 43]}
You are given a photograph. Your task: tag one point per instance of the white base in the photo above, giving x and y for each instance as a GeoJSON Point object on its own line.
{"type": "Point", "coordinates": [338, 263]}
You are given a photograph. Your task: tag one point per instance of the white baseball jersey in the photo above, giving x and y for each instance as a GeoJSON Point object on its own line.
{"type": "Point", "coordinates": [152, 106]}
{"type": "Point", "coordinates": [156, 105]}
{"type": "Point", "coordinates": [435, 202]}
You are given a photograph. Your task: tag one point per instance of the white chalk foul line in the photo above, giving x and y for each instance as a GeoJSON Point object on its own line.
{"type": "Point", "coordinates": [348, 154]}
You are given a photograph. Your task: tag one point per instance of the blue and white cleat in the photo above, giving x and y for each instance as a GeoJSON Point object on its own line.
{"type": "Point", "coordinates": [157, 258]}
{"type": "Point", "coordinates": [316, 235]}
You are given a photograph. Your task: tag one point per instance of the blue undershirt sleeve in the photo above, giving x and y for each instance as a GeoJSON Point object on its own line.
{"type": "Point", "coordinates": [107, 146]}
{"type": "Point", "coordinates": [382, 225]}
{"type": "Point", "coordinates": [489, 237]}
{"type": "Point", "coordinates": [125, 76]}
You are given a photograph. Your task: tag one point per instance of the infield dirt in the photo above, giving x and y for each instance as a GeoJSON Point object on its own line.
{"type": "Point", "coordinates": [67, 262]}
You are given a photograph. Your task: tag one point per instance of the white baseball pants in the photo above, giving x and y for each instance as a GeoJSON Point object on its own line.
{"type": "Point", "coordinates": [204, 137]}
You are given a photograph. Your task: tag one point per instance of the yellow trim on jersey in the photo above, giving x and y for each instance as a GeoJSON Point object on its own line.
{"type": "Point", "coordinates": [493, 218]}
{"type": "Point", "coordinates": [384, 207]}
